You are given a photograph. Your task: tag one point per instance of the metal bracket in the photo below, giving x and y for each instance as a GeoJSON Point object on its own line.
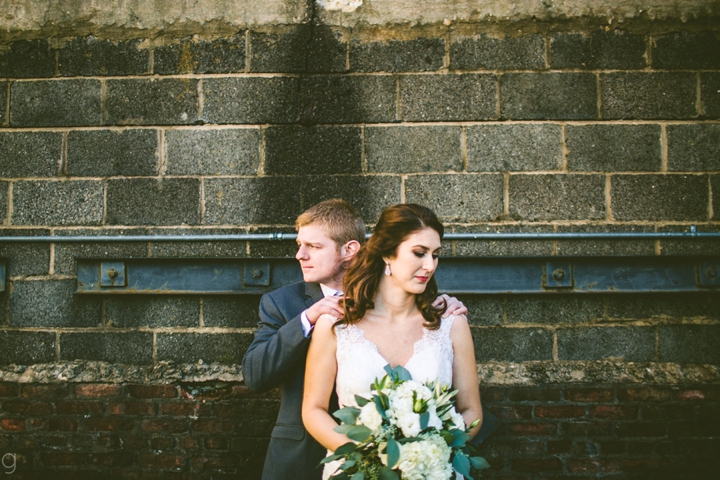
{"type": "Point", "coordinates": [558, 274]}
{"type": "Point", "coordinates": [257, 273]}
{"type": "Point", "coordinates": [709, 274]}
{"type": "Point", "coordinates": [2, 275]}
{"type": "Point", "coordinates": [113, 274]}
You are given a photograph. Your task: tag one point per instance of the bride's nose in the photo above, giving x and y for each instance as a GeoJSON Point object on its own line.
{"type": "Point", "coordinates": [429, 263]}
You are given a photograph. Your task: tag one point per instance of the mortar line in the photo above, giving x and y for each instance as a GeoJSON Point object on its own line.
{"type": "Point", "coordinates": [8, 221]}
{"type": "Point", "coordinates": [663, 148]}
{"type": "Point", "coordinates": [163, 154]}
{"type": "Point", "coordinates": [698, 96]}
{"type": "Point", "coordinates": [446, 57]}
{"type": "Point", "coordinates": [154, 347]}
{"type": "Point", "coordinates": [201, 320]}
{"type": "Point", "coordinates": [506, 194]}
{"type": "Point", "coordinates": [202, 200]}
{"type": "Point", "coordinates": [57, 346]}
{"type": "Point", "coordinates": [498, 97]}
{"type": "Point", "coordinates": [648, 51]}
{"type": "Point", "coordinates": [103, 314]}
{"type": "Point", "coordinates": [711, 212]}
{"type": "Point", "coordinates": [608, 198]}
{"type": "Point", "coordinates": [463, 149]}
{"type": "Point", "coordinates": [556, 355]}
{"type": "Point", "coordinates": [261, 165]}
{"type": "Point", "coordinates": [548, 51]}
{"type": "Point", "coordinates": [347, 55]}
{"type": "Point", "coordinates": [151, 61]}
{"type": "Point", "coordinates": [363, 154]}
{"type": "Point", "coordinates": [657, 343]}
{"type": "Point", "coordinates": [51, 267]}
{"type": "Point", "coordinates": [103, 100]}
{"type": "Point", "coordinates": [402, 188]}
{"type": "Point", "coordinates": [248, 51]}
{"type": "Point", "coordinates": [599, 96]}
{"type": "Point", "coordinates": [563, 147]}
{"type": "Point", "coordinates": [62, 167]}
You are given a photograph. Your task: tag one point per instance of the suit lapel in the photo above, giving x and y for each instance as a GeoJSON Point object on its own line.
{"type": "Point", "coordinates": [313, 293]}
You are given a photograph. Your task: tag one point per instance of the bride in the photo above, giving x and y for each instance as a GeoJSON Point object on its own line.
{"type": "Point", "coordinates": [389, 319]}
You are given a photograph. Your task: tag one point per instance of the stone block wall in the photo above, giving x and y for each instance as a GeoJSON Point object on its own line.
{"type": "Point", "coordinates": [549, 127]}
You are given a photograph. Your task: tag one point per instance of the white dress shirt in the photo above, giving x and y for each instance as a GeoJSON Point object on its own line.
{"type": "Point", "coordinates": [306, 326]}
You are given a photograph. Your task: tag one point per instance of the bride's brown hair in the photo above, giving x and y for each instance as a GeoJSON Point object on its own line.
{"type": "Point", "coordinates": [362, 278]}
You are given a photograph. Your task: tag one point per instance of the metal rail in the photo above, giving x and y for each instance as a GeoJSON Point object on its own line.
{"type": "Point", "coordinates": [278, 236]}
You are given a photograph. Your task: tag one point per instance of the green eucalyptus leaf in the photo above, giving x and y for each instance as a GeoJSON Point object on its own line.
{"type": "Point", "coordinates": [479, 463]}
{"type": "Point", "coordinates": [344, 428]}
{"type": "Point", "coordinates": [393, 452]}
{"type": "Point", "coordinates": [382, 403]}
{"type": "Point", "coordinates": [424, 420]}
{"type": "Point", "coordinates": [347, 414]}
{"type": "Point", "coordinates": [345, 448]}
{"type": "Point", "coordinates": [330, 458]}
{"type": "Point", "coordinates": [388, 474]}
{"type": "Point", "coordinates": [347, 464]}
{"type": "Point", "coordinates": [361, 401]}
{"type": "Point", "coordinates": [461, 464]}
{"type": "Point", "coordinates": [359, 433]}
{"type": "Point", "coordinates": [358, 476]}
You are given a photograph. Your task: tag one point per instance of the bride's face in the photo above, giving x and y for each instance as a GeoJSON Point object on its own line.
{"type": "Point", "coordinates": [415, 261]}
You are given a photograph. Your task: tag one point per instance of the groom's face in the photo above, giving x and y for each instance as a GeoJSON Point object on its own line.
{"type": "Point", "coordinates": [319, 256]}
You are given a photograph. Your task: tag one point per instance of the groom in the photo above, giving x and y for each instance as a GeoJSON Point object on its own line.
{"type": "Point", "coordinates": [329, 237]}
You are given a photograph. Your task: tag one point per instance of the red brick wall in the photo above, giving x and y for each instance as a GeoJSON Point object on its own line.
{"type": "Point", "coordinates": [167, 431]}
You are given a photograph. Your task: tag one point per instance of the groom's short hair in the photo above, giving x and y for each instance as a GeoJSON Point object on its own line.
{"type": "Point", "coordinates": [341, 221]}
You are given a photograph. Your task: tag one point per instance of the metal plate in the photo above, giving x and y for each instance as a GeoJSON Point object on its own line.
{"type": "Point", "coordinates": [709, 274]}
{"type": "Point", "coordinates": [112, 274]}
{"type": "Point", "coordinates": [558, 274]}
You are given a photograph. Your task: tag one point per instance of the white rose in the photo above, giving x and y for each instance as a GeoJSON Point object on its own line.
{"type": "Point", "coordinates": [409, 423]}
{"type": "Point", "coordinates": [370, 417]}
{"type": "Point", "coordinates": [426, 459]}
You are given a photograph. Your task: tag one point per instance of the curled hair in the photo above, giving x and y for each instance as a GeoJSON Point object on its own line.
{"type": "Point", "coordinates": [361, 281]}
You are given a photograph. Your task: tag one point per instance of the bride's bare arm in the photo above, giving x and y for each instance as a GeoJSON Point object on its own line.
{"type": "Point", "coordinates": [465, 379]}
{"type": "Point", "coordinates": [320, 372]}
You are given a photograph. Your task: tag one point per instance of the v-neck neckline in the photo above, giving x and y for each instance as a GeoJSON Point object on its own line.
{"type": "Point", "coordinates": [377, 350]}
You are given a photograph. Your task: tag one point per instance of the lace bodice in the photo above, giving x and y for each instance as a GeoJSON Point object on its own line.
{"type": "Point", "coordinates": [360, 363]}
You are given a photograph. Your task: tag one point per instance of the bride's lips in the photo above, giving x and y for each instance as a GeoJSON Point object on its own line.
{"type": "Point", "coordinates": [423, 279]}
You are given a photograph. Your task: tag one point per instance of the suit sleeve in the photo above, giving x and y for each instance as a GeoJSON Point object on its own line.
{"type": "Point", "coordinates": [278, 345]}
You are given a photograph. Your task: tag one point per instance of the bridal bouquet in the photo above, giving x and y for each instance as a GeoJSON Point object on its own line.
{"type": "Point", "coordinates": [406, 429]}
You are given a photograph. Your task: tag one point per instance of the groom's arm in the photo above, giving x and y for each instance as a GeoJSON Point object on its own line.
{"type": "Point", "coordinates": [278, 345]}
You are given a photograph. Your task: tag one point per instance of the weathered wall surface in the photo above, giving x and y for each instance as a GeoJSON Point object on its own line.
{"type": "Point", "coordinates": [116, 119]}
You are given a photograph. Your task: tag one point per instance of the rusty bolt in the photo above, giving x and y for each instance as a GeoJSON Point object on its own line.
{"type": "Point", "coordinates": [257, 273]}
{"type": "Point", "coordinates": [558, 274]}
{"type": "Point", "coordinates": [711, 272]}
{"type": "Point", "coordinates": [112, 273]}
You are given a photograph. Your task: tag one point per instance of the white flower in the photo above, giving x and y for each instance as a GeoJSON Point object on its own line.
{"type": "Point", "coordinates": [370, 417]}
{"type": "Point", "coordinates": [455, 418]}
{"type": "Point", "coordinates": [426, 459]}
{"type": "Point", "coordinates": [409, 423]}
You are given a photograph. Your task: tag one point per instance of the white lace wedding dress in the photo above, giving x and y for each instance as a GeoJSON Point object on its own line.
{"type": "Point", "coordinates": [360, 363]}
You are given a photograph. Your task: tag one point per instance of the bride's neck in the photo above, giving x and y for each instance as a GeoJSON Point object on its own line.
{"type": "Point", "coordinates": [394, 302]}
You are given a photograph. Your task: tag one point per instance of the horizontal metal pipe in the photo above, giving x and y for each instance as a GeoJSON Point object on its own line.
{"type": "Point", "coordinates": [292, 236]}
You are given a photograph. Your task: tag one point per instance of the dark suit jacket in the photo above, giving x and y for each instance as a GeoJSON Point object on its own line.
{"type": "Point", "coordinates": [275, 358]}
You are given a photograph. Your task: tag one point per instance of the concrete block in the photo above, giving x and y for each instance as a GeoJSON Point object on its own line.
{"type": "Point", "coordinates": [458, 198]}
{"type": "Point", "coordinates": [661, 308]}
{"type": "Point", "coordinates": [150, 201]}
{"type": "Point", "coordinates": [213, 152]}
{"type": "Point", "coordinates": [690, 344]}
{"type": "Point", "coordinates": [613, 148]}
{"type": "Point", "coordinates": [557, 197]}
{"type": "Point", "coordinates": [224, 348]}
{"type": "Point", "coordinates": [370, 195]}
{"type": "Point", "coordinates": [710, 94]}
{"type": "Point", "coordinates": [272, 248]}
{"type": "Point", "coordinates": [167, 101]}
{"type": "Point", "coordinates": [554, 309]}
{"type": "Point", "coordinates": [301, 48]}
{"type": "Point", "coordinates": [240, 311]}
{"type": "Point", "coordinates": [503, 344]}
{"type": "Point", "coordinates": [484, 52]}
{"type": "Point", "coordinates": [107, 153]}
{"type": "Point", "coordinates": [700, 247]}
{"type": "Point", "coordinates": [484, 310]}
{"type": "Point", "coordinates": [623, 344]}
{"type": "Point", "coordinates": [413, 149]}
{"type": "Point", "coordinates": [504, 248]}
{"type": "Point", "coordinates": [515, 147]}
{"type": "Point", "coordinates": [660, 197]}
{"type": "Point", "coordinates": [135, 348]}
{"type": "Point", "coordinates": [23, 259]}
{"type": "Point", "coordinates": [89, 56]}
{"type": "Point", "coordinates": [189, 249]}
{"type": "Point", "coordinates": [416, 55]}
{"type": "Point", "coordinates": [28, 59]}
{"type": "Point", "coordinates": [448, 97]}
{"type": "Point", "coordinates": [66, 254]}
{"type": "Point", "coordinates": [603, 247]}
{"type": "Point", "coordinates": [548, 96]}
{"type": "Point", "coordinates": [30, 154]}
{"type": "Point", "coordinates": [4, 86]}
{"type": "Point", "coordinates": [54, 203]}
{"type": "Point", "coordinates": [152, 311]}
{"type": "Point", "coordinates": [354, 99]}
{"type": "Point", "coordinates": [657, 95]}
{"type": "Point", "coordinates": [27, 348]}
{"type": "Point", "coordinates": [197, 55]}
{"type": "Point", "coordinates": [56, 103]}
{"type": "Point", "coordinates": [686, 51]}
{"type": "Point", "coordinates": [296, 150]}
{"type": "Point", "coordinates": [614, 49]}
{"type": "Point", "coordinates": [247, 201]}
{"type": "Point", "coordinates": [693, 147]}
{"type": "Point", "coordinates": [250, 100]}
{"type": "Point", "coordinates": [52, 303]}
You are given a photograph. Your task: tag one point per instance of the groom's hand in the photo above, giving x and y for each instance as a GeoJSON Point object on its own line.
{"type": "Point", "coordinates": [454, 306]}
{"type": "Point", "coordinates": [328, 305]}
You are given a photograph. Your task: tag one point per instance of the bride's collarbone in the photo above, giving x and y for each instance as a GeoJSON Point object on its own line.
{"type": "Point", "coordinates": [394, 339]}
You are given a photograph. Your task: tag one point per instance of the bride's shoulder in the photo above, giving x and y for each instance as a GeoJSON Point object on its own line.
{"type": "Point", "coordinates": [326, 322]}
{"type": "Point", "coordinates": [457, 324]}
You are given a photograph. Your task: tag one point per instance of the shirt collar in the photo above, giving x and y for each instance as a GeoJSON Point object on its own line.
{"type": "Point", "coordinates": [329, 292]}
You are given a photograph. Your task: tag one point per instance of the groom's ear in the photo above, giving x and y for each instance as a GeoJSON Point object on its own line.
{"type": "Point", "coordinates": [349, 250]}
